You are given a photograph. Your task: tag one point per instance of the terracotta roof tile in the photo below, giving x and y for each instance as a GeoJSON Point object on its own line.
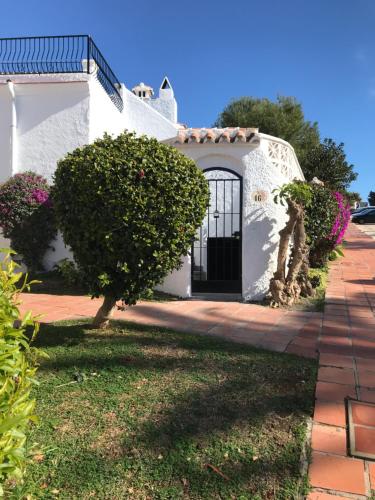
{"type": "Point", "coordinates": [217, 135]}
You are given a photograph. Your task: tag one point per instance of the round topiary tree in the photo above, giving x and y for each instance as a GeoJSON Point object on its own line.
{"type": "Point", "coordinates": [129, 208]}
{"type": "Point", "coordinates": [27, 217]}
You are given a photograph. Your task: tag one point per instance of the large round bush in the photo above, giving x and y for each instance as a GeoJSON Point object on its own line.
{"type": "Point", "coordinates": [27, 217]}
{"type": "Point", "coordinates": [129, 208]}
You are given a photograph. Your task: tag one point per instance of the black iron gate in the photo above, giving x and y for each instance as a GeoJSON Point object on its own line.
{"type": "Point", "coordinates": [216, 252]}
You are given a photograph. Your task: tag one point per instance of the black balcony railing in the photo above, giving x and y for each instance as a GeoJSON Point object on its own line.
{"type": "Point", "coordinates": [58, 54]}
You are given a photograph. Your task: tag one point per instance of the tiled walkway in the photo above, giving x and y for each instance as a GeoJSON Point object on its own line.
{"type": "Point", "coordinates": [274, 329]}
{"type": "Point", "coordinates": [344, 339]}
{"type": "Point", "coordinates": [346, 369]}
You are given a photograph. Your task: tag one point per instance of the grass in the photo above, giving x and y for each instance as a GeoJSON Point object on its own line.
{"type": "Point", "coordinates": [146, 413]}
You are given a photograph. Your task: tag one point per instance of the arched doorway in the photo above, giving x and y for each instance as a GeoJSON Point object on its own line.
{"type": "Point", "coordinates": [217, 249]}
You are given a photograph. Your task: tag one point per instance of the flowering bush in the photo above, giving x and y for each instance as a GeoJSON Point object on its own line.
{"type": "Point", "coordinates": [326, 221]}
{"type": "Point", "coordinates": [342, 220]}
{"type": "Point", "coordinates": [26, 216]}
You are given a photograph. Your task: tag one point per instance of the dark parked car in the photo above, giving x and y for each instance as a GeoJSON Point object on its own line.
{"type": "Point", "coordinates": [365, 217]}
{"type": "Point", "coordinates": [358, 210]}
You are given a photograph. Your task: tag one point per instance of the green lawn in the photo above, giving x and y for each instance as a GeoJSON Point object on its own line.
{"type": "Point", "coordinates": [153, 411]}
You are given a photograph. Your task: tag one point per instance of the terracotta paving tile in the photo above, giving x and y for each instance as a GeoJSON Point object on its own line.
{"type": "Point", "coordinates": [336, 375]}
{"type": "Point", "coordinates": [344, 350]}
{"type": "Point", "coordinates": [363, 414]}
{"type": "Point", "coordinates": [305, 342]}
{"type": "Point", "coordinates": [336, 360]}
{"type": "Point", "coordinates": [301, 351]}
{"type": "Point", "coordinates": [371, 468]}
{"type": "Point", "coordinates": [331, 413]}
{"type": "Point", "coordinates": [365, 364]}
{"type": "Point", "coordinates": [365, 440]}
{"type": "Point", "coordinates": [366, 378]}
{"type": "Point", "coordinates": [328, 439]}
{"type": "Point", "coordinates": [359, 343]}
{"type": "Point", "coordinates": [328, 391]}
{"type": "Point", "coordinates": [333, 340]}
{"type": "Point", "coordinates": [337, 473]}
{"type": "Point", "coordinates": [364, 353]}
{"type": "Point", "coordinates": [334, 331]}
{"type": "Point", "coordinates": [271, 346]}
{"type": "Point", "coordinates": [367, 395]}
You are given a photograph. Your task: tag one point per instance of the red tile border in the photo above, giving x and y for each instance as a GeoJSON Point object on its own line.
{"type": "Point", "coordinates": [337, 473]}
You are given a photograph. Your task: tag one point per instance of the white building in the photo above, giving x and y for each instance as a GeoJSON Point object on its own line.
{"type": "Point", "coordinates": [52, 101]}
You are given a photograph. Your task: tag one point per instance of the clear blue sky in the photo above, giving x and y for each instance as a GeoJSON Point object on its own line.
{"type": "Point", "coordinates": [320, 51]}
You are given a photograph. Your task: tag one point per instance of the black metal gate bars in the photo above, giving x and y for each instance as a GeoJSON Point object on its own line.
{"type": "Point", "coordinates": [216, 252]}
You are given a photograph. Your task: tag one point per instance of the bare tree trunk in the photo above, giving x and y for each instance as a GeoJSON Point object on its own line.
{"type": "Point", "coordinates": [277, 284]}
{"type": "Point", "coordinates": [105, 312]}
{"type": "Point", "coordinates": [285, 290]}
{"type": "Point", "coordinates": [307, 289]}
{"type": "Point", "coordinates": [299, 243]}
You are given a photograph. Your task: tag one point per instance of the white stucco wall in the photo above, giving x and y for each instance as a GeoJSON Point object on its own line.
{"type": "Point", "coordinates": [5, 142]}
{"type": "Point", "coordinates": [53, 119]}
{"type": "Point", "coordinates": [179, 282]}
{"type": "Point", "coordinates": [104, 116]}
{"type": "Point", "coordinates": [143, 119]}
{"type": "Point", "coordinates": [58, 113]}
{"type": "Point", "coordinates": [262, 221]}
{"type": "Point", "coordinates": [165, 104]}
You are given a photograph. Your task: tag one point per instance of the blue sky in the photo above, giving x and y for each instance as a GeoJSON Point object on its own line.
{"type": "Point", "coordinates": [320, 51]}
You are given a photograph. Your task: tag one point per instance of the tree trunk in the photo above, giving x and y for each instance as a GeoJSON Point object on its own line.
{"type": "Point", "coordinates": [285, 235]}
{"type": "Point", "coordinates": [277, 283]}
{"type": "Point", "coordinates": [285, 290]}
{"type": "Point", "coordinates": [307, 289]}
{"type": "Point", "coordinates": [105, 312]}
{"type": "Point", "coordinates": [299, 244]}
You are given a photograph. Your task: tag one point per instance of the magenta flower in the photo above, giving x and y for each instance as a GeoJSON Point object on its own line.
{"type": "Point", "coordinates": [342, 220]}
{"type": "Point", "coordinates": [40, 196]}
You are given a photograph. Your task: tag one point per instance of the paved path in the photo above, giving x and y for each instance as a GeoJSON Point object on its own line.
{"type": "Point", "coordinates": [344, 339]}
{"type": "Point", "coordinates": [274, 329]}
{"type": "Point", "coordinates": [346, 368]}
{"type": "Point", "coordinates": [368, 229]}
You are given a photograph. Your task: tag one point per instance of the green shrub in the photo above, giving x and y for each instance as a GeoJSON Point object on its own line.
{"type": "Point", "coordinates": [129, 208]}
{"type": "Point", "coordinates": [336, 253]}
{"type": "Point", "coordinates": [27, 217]}
{"type": "Point", "coordinates": [17, 372]}
{"type": "Point", "coordinates": [68, 271]}
{"type": "Point", "coordinates": [319, 220]}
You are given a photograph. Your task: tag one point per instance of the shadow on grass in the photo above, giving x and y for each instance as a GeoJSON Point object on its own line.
{"type": "Point", "coordinates": [88, 473]}
{"type": "Point", "coordinates": [201, 396]}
